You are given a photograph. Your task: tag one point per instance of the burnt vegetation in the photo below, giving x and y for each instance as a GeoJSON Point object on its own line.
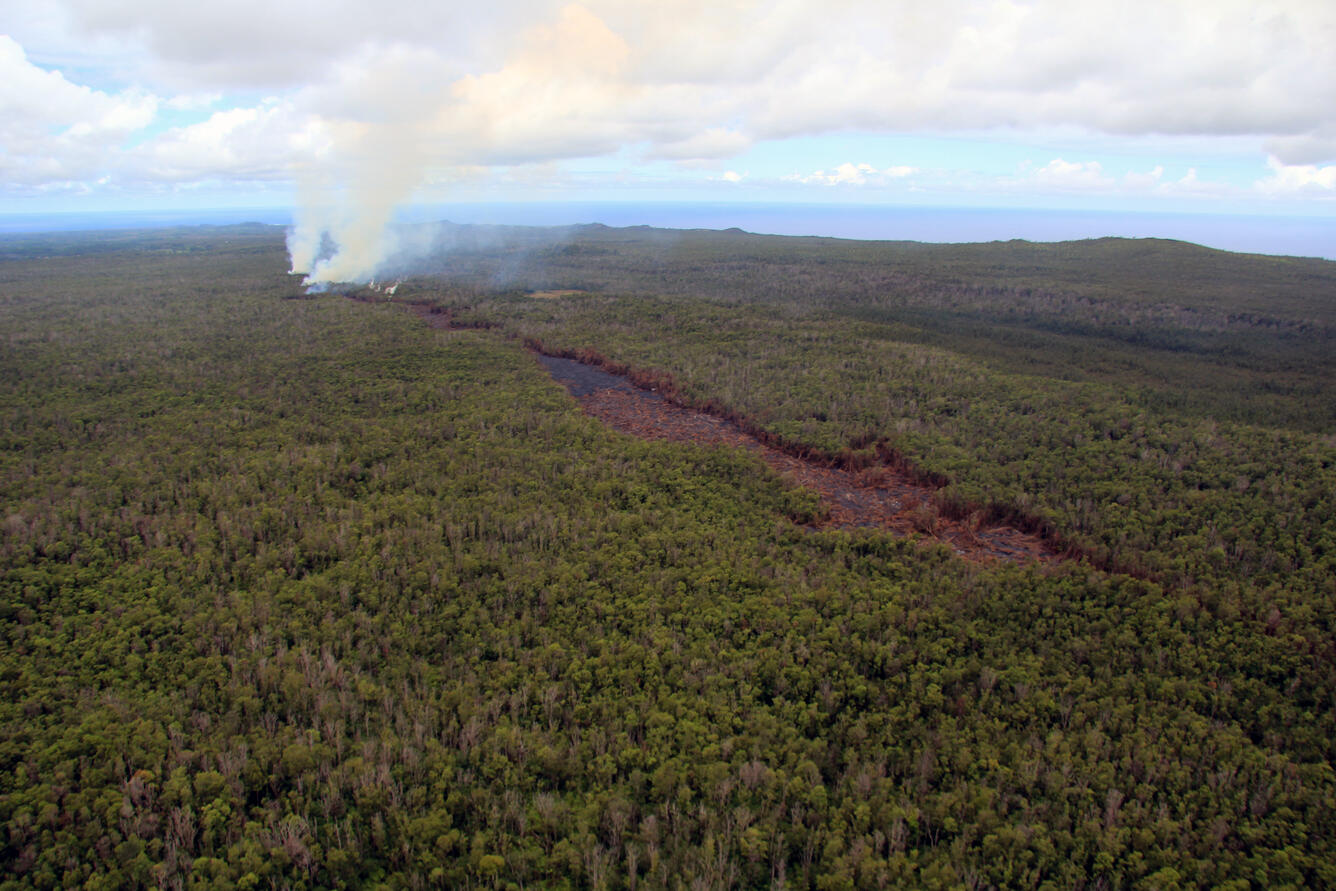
{"type": "Point", "coordinates": [306, 593]}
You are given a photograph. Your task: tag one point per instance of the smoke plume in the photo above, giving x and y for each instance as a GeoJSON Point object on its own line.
{"type": "Point", "coordinates": [342, 230]}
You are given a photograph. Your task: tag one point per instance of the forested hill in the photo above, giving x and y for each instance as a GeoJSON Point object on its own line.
{"type": "Point", "coordinates": [1151, 271]}
{"type": "Point", "coordinates": [299, 592]}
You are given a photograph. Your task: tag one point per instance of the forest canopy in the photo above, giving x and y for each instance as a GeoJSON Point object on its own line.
{"type": "Point", "coordinates": [297, 591]}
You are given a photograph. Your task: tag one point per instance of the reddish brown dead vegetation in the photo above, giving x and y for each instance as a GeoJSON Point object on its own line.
{"type": "Point", "coordinates": [884, 495]}
{"type": "Point", "coordinates": [867, 485]}
{"type": "Point", "coordinates": [435, 316]}
{"type": "Point", "coordinates": [440, 317]}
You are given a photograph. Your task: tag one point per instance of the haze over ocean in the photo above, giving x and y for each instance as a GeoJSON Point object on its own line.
{"type": "Point", "coordinates": [1304, 236]}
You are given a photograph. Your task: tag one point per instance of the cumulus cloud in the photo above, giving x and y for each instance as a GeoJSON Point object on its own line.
{"type": "Point", "coordinates": [241, 143]}
{"type": "Point", "coordinates": [1191, 185]}
{"type": "Point", "coordinates": [850, 174]}
{"type": "Point", "coordinates": [1060, 175]}
{"type": "Point", "coordinates": [1288, 179]}
{"type": "Point", "coordinates": [54, 130]}
{"type": "Point", "coordinates": [1148, 180]}
{"type": "Point", "coordinates": [667, 74]}
{"type": "Point", "coordinates": [1073, 175]}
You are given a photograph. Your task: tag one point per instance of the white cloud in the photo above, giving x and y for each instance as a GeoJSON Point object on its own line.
{"type": "Point", "coordinates": [850, 174]}
{"type": "Point", "coordinates": [1142, 181]}
{"type": "Point", "coordinates": [54, 130]}
{"type": "Point", "coordinates": [1073, 175]}
{"type": "Point", "coordinates": [1306, 148]}
{"type": "Point", "coordinates": [194, 101]}
{"type": "Point", "coordinates": [1090, 177]}
{"type": "Point", "coordinates": [716, 142]}
{"type": "Point", "coordinates": [1289, 179]}
{"type": "Point", "coordinates": [241, 143]}
{"type": "Point", "coordinates": [1191, 184]}
{"type": "Point", "coordinates": [275, 44]}
{"type": "Point", "coordinates": [667, 73]}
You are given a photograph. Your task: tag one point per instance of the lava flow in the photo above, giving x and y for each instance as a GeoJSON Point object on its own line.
{"type": "Point", "coordinates": [879, 497]}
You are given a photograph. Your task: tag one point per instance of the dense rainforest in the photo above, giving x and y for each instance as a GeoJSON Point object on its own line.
{"type": "Point", "coordinates": [297, 591]}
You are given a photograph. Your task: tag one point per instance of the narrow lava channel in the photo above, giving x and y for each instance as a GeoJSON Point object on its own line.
{"type": "Point", "coordinates": [881, 497]}
{"type": "Point", "coordinates": [885, 497]}
{"type": "Point", "coordinates": [878, 497]}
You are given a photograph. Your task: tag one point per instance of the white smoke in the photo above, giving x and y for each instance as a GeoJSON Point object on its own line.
{"type": "Point", "coordinates": [367, 164]}
{"type": "Point", "coordinates": [353, 223]}
{"type": "Point", "coordinates": [358, 235]}
{"type": "Point", "coordinates": [304, 241]}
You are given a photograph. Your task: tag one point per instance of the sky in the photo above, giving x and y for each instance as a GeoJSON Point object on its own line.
{"type": "Point", "coordinates": [345, 109]}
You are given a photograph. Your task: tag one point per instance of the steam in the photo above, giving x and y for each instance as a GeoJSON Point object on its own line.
{"type": "Point", "coordinates": [399, 114]}
{"type": "Point", "coordinates": [342, 233]}
{"type": "Point", "coordinates": [360, 172]}
{"type": "Point", "coordinates": [346, 242]}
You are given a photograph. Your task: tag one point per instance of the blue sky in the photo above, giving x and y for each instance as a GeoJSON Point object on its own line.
{"type": "Point", "coordinates": [346, 110]}
{"type": "Point", "coordinates": [966, 170]}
